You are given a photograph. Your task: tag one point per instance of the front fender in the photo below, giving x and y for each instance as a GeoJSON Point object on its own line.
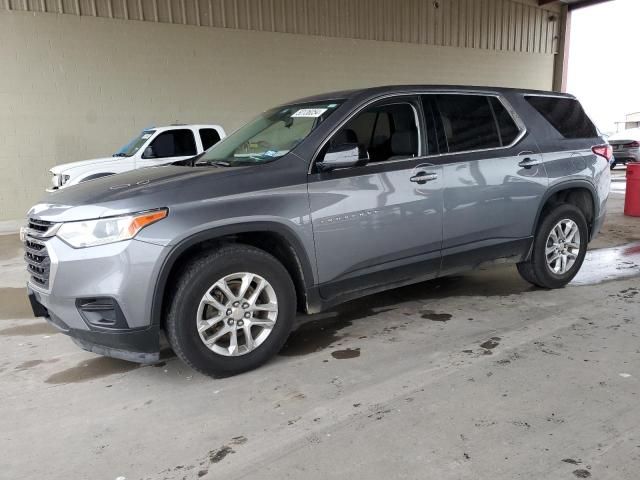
{"type": "Point", "coordinates": [183, 245]}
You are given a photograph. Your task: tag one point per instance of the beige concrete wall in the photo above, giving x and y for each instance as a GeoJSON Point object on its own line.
{"type": "Point", "coordinates": [74, 87]}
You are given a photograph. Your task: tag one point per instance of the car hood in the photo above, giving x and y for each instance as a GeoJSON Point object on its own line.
{"type": "Point", "coordinates": [135, 191]}
{"type": "Point", "coordinates": [65, 167]}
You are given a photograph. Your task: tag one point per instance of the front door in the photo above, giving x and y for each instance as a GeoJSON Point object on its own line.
{"type": "Point", "coordinates": [379, 224]}
{"type": "Point", "coordinates": [167, 147]}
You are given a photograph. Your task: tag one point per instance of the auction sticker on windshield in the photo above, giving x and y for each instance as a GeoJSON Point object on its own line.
{"type": "Point", "coordinates": [309, 112]}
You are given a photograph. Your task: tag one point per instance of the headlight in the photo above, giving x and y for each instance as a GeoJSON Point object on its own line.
{"type": "Point", "coordinates": [59, 180]}
{"type": "Point", "coordinates": [89, 233]}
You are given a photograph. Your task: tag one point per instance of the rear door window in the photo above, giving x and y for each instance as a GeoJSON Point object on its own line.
{"type": "Point", "coordinates": [565, 114]}
{"type": "Point", "coordinates": [468, 122]}
{"type": "Point", "coordinates": [209, 137]}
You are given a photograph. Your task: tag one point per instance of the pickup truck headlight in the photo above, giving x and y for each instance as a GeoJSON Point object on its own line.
{"type": "Point", "coordinates": [58, 180]}
{"type": "Point", "coordinates": [89, 233]}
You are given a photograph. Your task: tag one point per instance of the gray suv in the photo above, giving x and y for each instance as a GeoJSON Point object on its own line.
{"type": "Point", "coordinates": [311, 204]}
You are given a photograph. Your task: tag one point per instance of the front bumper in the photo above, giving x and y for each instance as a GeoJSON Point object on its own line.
{"type": "Point", "coordinates": [135, 345]}
{"type": "Point", "coordinates": [101, 297]}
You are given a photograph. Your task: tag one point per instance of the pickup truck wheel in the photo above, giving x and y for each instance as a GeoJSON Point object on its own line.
{"type": "Point", "coordinates": [559, 248]}
{"type": "Point", "coordinates": [232, 311]}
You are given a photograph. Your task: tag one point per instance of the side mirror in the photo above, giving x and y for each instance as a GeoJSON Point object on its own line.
{"type": "Point", "coordinates": [343, 156]}
{"type": "Point", "coordinates": [148, 153]}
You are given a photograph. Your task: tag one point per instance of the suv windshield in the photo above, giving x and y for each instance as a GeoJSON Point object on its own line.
{"type": "Point", "coordinates": [134, 145]}
{"type": "Point", "coordinates": [270, 136]}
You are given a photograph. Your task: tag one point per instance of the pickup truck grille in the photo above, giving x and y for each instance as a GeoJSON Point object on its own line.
{"type": "Point", "coordinates": [36, 255]}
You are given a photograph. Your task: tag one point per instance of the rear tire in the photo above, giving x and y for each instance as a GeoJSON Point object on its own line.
{"type": "Point", "coordinates": [559, 248]}
{"type": "Point", "coordinates": [202, 312]}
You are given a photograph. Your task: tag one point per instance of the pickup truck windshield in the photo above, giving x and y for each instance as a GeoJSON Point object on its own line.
{"type": "Point", "coordinates": [270, 136]}
{"type": "Point", "coordinates": [134, 145]}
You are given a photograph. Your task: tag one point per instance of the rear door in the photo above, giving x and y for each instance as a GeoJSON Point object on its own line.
{"type": "Point", "coordinates": [379, 224]}
{"type": "Point", "coordinates": [494, 178]}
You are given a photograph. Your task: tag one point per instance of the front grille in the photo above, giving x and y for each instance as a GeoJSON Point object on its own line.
{"type": "Point", "coordinates": [35, 253]}
{"type": "Point", "coordinates": [39, 225]}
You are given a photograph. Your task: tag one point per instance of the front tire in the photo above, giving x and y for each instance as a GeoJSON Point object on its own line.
{"type": "Point", "coordinates": [613, 165]}
{"type": "Point", "coordinates": [232, 310]}
{"type": "Point", "coordinates": [559, 248]}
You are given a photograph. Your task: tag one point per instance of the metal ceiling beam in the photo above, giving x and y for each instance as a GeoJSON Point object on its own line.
{"type": "Point", "coordinates": [585, 3]}
{"type": "Point", "coordinates": [573, 4]}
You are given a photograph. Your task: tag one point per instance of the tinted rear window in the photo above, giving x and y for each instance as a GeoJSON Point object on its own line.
{"type": "Point", "coordinates": [566, 115]}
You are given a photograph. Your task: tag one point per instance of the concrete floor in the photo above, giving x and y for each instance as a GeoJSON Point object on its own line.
{"type": "Point", "coordinates": [474, 377]}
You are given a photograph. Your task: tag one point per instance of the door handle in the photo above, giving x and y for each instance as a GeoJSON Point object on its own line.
{"type": "Point", "coordinates": [530, 162]}
{"type": "Point", "coordinates": [423, 177]}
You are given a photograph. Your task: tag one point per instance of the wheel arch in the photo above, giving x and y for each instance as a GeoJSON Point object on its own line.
{"type": "Point", "coordinates": [272, 237]}
{"type": "Point", "coordinates": [580, 193]}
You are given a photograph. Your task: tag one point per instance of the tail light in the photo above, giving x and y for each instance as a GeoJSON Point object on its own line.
{"type": "Point", "coordinates": [634, 144]}
{"type": "Point", "coordinates": [604, 151]}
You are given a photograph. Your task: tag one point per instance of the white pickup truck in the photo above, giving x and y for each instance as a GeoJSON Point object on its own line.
{"type": "Point", "coordinates": [154, 146]}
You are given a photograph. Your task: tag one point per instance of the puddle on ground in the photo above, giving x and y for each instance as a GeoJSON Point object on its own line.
{"type": "Point", "coordinates": [14, 303]}
{"type": "Point", "coordinates": [582, 473]}
{"type": "Point", "coordinates": [91, 369]}
{"type": "Point", "coordinates": [490, 344]}
{"type": "Point", "coordinates": [346, 353]}
{"type": "Point", "coordinates": [434, 316]}
{"type": "Point", "coordinates": [10, 247]}
{"type": "Point", "coordinates": [321, 330]}
{"type": "Point", "coordinates": [40, 328]}
{"type": "Point", "coordinates": [607, 264]}
{"type": "Point", "coordinates": [600, 265]}
{"type": "Point", "coordinates": [313, 337]}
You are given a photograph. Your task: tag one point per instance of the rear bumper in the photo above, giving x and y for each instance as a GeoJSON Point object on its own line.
{"type": "Point", "coordinates": [141, 345]}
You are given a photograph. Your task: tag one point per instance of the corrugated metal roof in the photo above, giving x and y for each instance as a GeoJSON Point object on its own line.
{"type": "Point", "coordinates": [512, 25]}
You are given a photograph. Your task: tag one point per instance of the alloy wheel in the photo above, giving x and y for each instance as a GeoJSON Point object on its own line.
{"type": "Point", "coordinates": [237, 314]}
{"type": "Point", "coordinates": [563, 246]}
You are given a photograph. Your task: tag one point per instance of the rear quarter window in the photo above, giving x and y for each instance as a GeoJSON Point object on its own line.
{"type": "Point", "coordinates": [566, 115]}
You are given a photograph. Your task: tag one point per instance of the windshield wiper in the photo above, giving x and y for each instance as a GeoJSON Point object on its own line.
{"type": "Point", "coordinates": [218, 163]}
{"type": "Point", "coordinates": [119, 154]}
